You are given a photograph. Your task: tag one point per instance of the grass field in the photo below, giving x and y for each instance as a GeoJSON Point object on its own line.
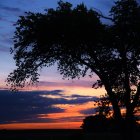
{"type": "Point", "coordinates": [56, 135]}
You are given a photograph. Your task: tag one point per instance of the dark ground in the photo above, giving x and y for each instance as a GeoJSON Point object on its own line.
{"type": "Point", "coordinates": [39, 134]}
{"type": "Point", "coordinates": [57, 135]}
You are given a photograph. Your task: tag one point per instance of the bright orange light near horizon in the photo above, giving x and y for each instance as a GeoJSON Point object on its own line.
{"type": "Point", "coordinates": [71, 111]}
{"type": "Point", "coordinates": [56, 125]}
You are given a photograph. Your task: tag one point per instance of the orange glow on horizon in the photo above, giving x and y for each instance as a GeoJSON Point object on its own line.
{"type": "Point", "coordinates": [58, 125]}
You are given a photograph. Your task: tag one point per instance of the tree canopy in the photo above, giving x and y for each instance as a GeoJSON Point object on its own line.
{"type": "Point", "coordinates": [77, 40]}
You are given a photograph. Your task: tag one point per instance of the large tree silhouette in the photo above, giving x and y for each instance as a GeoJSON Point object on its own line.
{"type": "Point", "coordinates": [77, 40]}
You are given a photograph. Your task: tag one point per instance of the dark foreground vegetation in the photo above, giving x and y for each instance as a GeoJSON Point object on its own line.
{"type": "Point", "coordinates": [59, 134]}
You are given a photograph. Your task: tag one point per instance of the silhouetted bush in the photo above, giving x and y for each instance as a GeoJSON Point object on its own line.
{"type": "Point", "coordinates": [99, 123]}
{"type": "Point", "coordinates": [95, 123]}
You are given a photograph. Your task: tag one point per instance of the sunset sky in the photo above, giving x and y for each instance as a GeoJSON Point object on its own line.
{"type": "Point", "coordinates": [53, 103]}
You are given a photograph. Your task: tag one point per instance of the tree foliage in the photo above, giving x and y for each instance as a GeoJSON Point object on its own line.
{"type": "Point", "coordinates": [62, 35]}
{"type": "Point", "coordinates": [77, 40]}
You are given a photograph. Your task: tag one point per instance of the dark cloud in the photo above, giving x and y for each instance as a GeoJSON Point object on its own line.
{"type": "Point", "coordinates": [80, 100]}
{"type": "Point", "coordinates": [88, 111]}
{"type": "Point", "coordinates": [54, 92]}
{"type": "Point", "coordinates": [27, 106]}
{"type": "Point", "coordinates": [70, 119]}
{"type": "Point", "coordinates": [80, 96]}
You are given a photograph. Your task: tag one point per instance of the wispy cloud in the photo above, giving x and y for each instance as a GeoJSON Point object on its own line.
{"type": "Point", "coordinates": [10, 14]}
{"type": "Point", "coordinates": [1, 19]}
{"type": "Point", "coordinates": [76, 83]}
{"type": "Point", "coordinates": [6, 38]}
{"type": "Point", "coordinates": [4, 49]}
{"type": "Point", "coordinates": [10, 9]}
{"type": "Point", "coordinates": [6, 41]}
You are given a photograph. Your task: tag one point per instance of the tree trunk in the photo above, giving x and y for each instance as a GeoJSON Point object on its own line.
{"type": "Point", "coordinates": [130, 122]}
{"type": "Point", "coordinates": [117, 114]}
{"type": "Point", "coordinates": [116, 108]}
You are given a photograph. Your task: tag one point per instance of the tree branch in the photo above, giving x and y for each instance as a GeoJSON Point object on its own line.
{"type": "Point", "coordinates": [100, 14]}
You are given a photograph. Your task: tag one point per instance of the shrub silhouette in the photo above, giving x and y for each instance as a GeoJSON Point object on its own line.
{"type": "Point", "coordinates": [99, 123]}
{"type": "Point", "coordinates": [95, 123]}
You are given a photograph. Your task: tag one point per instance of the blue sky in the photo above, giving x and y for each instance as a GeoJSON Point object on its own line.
{"type": "Point", "coordinates": [10, 10]}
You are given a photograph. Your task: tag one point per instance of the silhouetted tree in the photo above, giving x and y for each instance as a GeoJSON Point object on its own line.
{"type": "Point", "coordinates": [76, 39]}
{"type": "Point", "coordinates": [126, 28]}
